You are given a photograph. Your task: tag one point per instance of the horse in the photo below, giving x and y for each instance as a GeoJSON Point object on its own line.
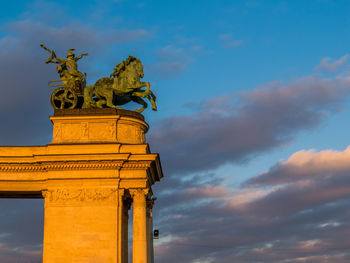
{"type": "Point", "coordinates": [121, 87]}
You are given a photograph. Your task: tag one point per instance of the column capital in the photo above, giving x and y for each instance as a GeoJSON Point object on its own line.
{"type": "Point", "coordinates": [139, 193]}
{"type": "Point", "coordinates": [150, 202]}
{"type": "Point", "coordinates": [44, 193]}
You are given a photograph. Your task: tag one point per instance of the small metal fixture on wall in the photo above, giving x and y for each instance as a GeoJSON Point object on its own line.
{"type": "Point", "coordinates": [156, 234]}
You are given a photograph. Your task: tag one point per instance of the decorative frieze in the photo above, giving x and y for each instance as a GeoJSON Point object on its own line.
{"type": "Point", "coordinates": [84, 195]}
{"type": "Point", "coordinates": [137, 165]}
{"type": "Point", "coordinates": [64, 165]}
{"type": "Point", "coordinates": [98, 129]}
{"type": "Point", "coordinates": [73, 130]}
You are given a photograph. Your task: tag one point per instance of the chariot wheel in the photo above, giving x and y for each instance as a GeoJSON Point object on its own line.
{"type": "Point", "coordinates": [64, 98]}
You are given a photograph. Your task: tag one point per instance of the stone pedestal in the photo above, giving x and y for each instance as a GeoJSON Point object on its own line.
{"type": "Point", "coordinates": [96, 166]}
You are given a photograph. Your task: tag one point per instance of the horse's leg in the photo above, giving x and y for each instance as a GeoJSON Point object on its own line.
{"type": "Point", "coordinates": [109, 99]}
{"type": "Point", "coordinates": [148, 86]}
{"type": "Point", "coordinates": [152, 98]}
{"type": "Point", "coordinates": [100, 103]}
{"type": "Point", "coordinates": [88, 101]}
{"type": "Point", "coordinates": [142, 93]}
{"type": "Point", "coordinates": [139, 101]}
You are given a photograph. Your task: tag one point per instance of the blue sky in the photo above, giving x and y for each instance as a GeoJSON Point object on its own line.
{"type": "Point", "coordinates": [250, 94]}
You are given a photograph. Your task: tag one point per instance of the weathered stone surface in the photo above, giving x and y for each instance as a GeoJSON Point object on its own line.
{"type": "Point", "coordinates": [88, 175]}
{"type": "Point", "coordinates": [91, 126]}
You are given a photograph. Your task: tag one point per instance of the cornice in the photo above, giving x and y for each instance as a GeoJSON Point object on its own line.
{"type": "Point", "coordinates": [58, 166]}
{"type": "Point", "coordinates": [74, 165]}
{"type": "Point", "coordinates": [135, 165]}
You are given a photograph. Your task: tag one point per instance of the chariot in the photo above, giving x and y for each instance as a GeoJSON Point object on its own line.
{"type": "Point", "coordinates": [123, 85]}
{"type": "Point", "coordinates": [68, 94]}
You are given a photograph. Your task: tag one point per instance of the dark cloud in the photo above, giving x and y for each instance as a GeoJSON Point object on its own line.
{"type": "Point", "coordinates": [302, 220]}
{"type": "Point", "coordinates": [270, 219]}
{"type": "Point", "coordinates": [25, 108]}
{"type": "Point", "coordinates": [24, 103]}
{"type": "Point", "coordinates": [232, 129]}
{"type": "Point", "coordinates": [21, 230]}
{"type": "Point", "coordinates": [212, 232]}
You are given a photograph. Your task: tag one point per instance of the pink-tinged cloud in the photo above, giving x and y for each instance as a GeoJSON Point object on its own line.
{"type": "Point", "coordinates": [306, 180]}
{"type": "Point", "coordinates": [233, 128]}
{"type": "Point", "coordinates": [298, 215]}
{"type": "Point", "coordinates": [304, 166]}
{"type": "Point", "coordinates": [326, 65]}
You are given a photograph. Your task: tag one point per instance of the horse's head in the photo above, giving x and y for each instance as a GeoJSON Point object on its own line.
{"type": "Point", "coordinates": [131, 69]}
{"type": "Point", "coordinates": [138, 68]}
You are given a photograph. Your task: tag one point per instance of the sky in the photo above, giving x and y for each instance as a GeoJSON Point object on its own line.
{"type": "Point", "coordinates": [252, 123]}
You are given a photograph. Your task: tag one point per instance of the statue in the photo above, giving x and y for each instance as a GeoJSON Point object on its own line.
{"type": "Point", "coordinates": [121, 87]}
{"type": "Point", "coordinates": [72, 81]}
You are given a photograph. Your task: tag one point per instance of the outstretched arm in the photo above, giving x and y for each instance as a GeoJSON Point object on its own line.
{"type": "Point", "coordinates": [80, 56]}
{"type": "Point", "coordinates": [52, 57]}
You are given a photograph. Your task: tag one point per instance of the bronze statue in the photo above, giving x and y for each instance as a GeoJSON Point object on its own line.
{"type": "Point", "coordinates": [121, 87]}
{"type": "Point", "coordinates": [70, 91]}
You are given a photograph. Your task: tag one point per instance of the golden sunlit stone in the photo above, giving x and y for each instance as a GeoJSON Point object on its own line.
{"type": "Point", "coordinates": [97, 164]}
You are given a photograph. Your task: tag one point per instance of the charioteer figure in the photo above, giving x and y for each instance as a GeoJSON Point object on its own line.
{"type": "Point", "coordinates": [71, 83]}
{"type": "Point", "coordinates": [123, 85]}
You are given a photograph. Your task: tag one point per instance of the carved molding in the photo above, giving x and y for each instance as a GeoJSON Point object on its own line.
{"type": "Point", "coordinates": [73, 165]}
{"type": "Point", "coordinates": [80, 195]}
{"type": "Point", "coordinates": [137, 165]}
{"type": "Point", "coordinates": [64, 165]}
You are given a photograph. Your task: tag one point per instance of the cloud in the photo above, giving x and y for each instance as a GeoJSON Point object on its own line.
{"type": "Point", "coordinates": [24, 75]}
{"type": "Point", "coordinates": [200, 218]}
{"type": "Point", "coordinates": [303, 219]}
{"type": "Point", "coordinates": [25, 106]}
{"type": "Point", "coordinates": [21, 230]}
{"type": "Point", "coordinates": [305, 165]}
{"type": "Point", "coordinates": [326, 65]}
{"type": "Point", "coordinates": [227, 41]}
{"type": "Point", "coordinates": [171, 61]}
{"type": "Point", "coordinates": [233, 128]}
{"type": "Point", "coordinates": [306, 179]}
{"type": "Point", "coordinates": [297, 211]}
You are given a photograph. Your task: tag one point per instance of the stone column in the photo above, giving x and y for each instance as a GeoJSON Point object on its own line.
{"type": "Point", "coordinates": [139, 226]}
{"type": "Point", "coordinates": [125, 223]}
{"type": "Point", "coordinates": [149, 216]}
{"type": "Point", "coordinates": [124, 206]}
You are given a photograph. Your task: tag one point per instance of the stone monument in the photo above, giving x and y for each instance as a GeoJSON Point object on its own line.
{"type": "Point", "coordinates": [97, 165]}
